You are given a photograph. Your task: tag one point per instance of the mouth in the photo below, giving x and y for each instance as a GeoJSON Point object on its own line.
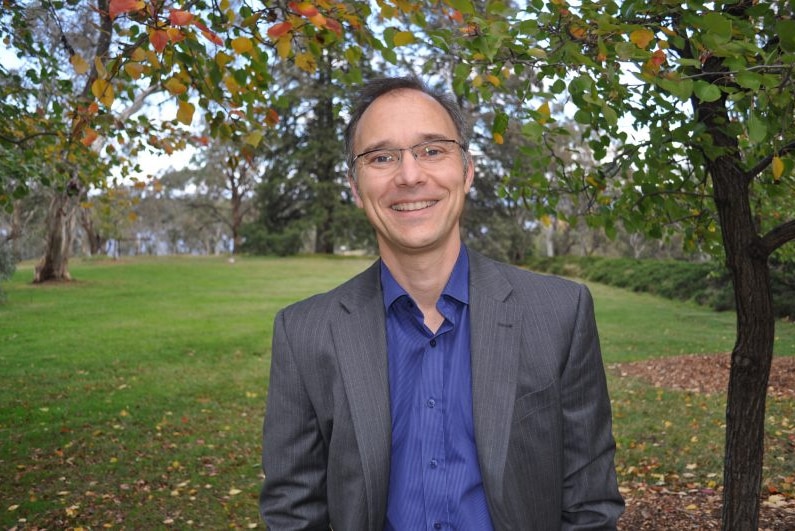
{"type": "Point", "coordinates": [410, 207]}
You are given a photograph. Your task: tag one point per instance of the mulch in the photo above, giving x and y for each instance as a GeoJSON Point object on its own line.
{"type": "Point", "coordinates": [658, 508]}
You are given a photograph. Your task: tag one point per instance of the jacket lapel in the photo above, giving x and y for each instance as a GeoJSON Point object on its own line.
{"type": "Point", "coordinates": [495, 343]}
{"type": "Point", "coordinates": [360, 343]}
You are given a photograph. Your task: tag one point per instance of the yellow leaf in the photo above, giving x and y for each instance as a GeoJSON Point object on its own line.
{"type": "Point", "coordinates": [132, 216]}
{"type": "Point", "coordinates": [175, 86]}
{"type": "Point", "coordinates": [546, 221]}
{"type": "Point", "coordinates": [138, 55]}
{"type": "Point", "coordinates": [283, 46]}
{"type": "Point", "coordinates": [477, 81]}
{"type": "Point", "coordinates": [494, 80]}
{"type": "Point", "coordinates": [103, 91]}
{"type": "Point", "coordinates": [242, 45]}
{"type": "Point", "coordinates": [498, 138]}
{"type": "Point", "coordinates": [134, 70]}
{"type": "Point", "coordinates": [231, 84]}
{"type": "Point", "coordinates": [234, 492]}
{"type": "Point", "coordinates": [543, 110]}
{"type": "Point", "coordinates": [641, 38]}
{"type": "Point", "coordinates": [79, 64]}
{"type": "Point", "coordinates": [403, 38]}
{"type": "Point", "coordinates": [223, 59]}
{"type": "Point", "coordinates": [101, 72]}
{"type": "Point", "coordinates": [778, 168]}
{"type": "Point", "coordinates": [306, 62]}
{"type": "Point", "coordinates": [253, 138]}
{"type": "Point", "coordinates": [185, 112]}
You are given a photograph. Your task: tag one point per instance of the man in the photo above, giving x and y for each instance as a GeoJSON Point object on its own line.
{"type": "Point", "coordinates": [438, 389]}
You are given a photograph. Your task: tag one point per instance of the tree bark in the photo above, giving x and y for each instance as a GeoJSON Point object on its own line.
{"type": "Point", "coordinates": [53, 266]}
{"type": "Point", "coordinates": [752, 354]}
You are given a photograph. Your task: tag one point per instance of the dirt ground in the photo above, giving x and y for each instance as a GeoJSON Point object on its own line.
{"type": "Point", "coordinates": [657, 508]}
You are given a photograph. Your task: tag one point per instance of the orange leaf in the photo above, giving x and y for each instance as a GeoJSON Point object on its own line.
{"type": "Point", "coordinates": [658, 57]}
{"type": "Point", "coordinates": [89, 137]}
{"type": "Point", "coordinates": [209, 35]}
{"type": "Point", "coordinates": [278, 30]}
{"type": "Point", "coordinates": [305, 9]}
{"type": "Point", "coordinates": [118, 7]}
{"type": "Point", "coordinates": [334, 26]}
{"type": "Point", "coordinates": [175, 35]}
{"type": "Point", "coordinates": [178, 17]}
{"type": "Point", "coordinates": [498, 139]}
{"type": "Point", "coordinates": [272, 117]}
{"type": "Point", "coordinates": [318, 20]}
{"type": "Point", "coordinates": [159, 39]}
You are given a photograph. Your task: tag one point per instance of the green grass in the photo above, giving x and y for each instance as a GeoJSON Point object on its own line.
{"type": "Point", "coordinates": [132, 397]}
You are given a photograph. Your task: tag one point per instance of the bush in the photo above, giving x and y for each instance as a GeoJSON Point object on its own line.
{"type": "Point", "coordinates": [257, 240]}
{"type": "Point", "coordinates": [671, 279]}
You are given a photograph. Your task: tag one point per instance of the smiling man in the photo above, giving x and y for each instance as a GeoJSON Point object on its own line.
{"type": "Point", "coordinates": [438, 389]}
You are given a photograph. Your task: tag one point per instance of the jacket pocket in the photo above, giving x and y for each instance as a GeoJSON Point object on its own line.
{"type": "Point", "coordinates": [530, 403]}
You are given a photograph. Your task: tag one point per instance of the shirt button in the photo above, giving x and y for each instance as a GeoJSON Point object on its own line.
{"type": "Point", "coordinates": [431, 403]}
{"type": "Point", "coordinates": [437, 525]}
{"type": "Point", "coordinates": [433, 342]}
{"type": "Point", "coordinates": [434, 463]}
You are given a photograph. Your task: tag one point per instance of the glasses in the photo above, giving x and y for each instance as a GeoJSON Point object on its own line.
{"type": "Point", "coordinates": [427, 154]}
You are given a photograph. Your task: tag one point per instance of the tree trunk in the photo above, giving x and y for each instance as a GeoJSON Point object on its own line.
{"type": "Point", "coordinates": [60, 234]}
{"type": "Point", "coordinates": [751, 357]}
{"type": "Point", "coordinates": [753, 351]}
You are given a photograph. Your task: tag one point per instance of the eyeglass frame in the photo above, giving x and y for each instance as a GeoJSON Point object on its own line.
{"type": "Point", "coordinates": [410, 149]}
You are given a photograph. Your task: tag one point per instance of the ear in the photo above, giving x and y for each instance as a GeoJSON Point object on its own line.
{"type": "Point", "coordinates": [355, 189]}
{"type": "Point", "coordinates": [469, 171]}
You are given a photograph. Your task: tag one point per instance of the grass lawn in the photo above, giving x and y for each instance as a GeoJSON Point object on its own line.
{"type": "Point", "coordinates": [132, 397]}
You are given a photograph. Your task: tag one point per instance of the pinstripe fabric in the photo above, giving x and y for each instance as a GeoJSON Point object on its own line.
{"type": "Point", "coordinates": [540, 406]}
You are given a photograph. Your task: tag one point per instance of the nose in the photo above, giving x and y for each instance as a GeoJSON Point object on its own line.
{"type": "Point", "coordinates": [409, 172]}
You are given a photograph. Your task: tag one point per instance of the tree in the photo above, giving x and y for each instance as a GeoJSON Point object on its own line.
{"type": "Point", "coordinates": [711, 91]}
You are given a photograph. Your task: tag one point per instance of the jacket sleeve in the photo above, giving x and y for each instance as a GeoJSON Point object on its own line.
{"type": "Point", "coordinates": [590, 491]}
{"type": "Point", "coordinates": [293, 452]}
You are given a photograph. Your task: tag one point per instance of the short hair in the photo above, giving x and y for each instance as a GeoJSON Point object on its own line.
{"type": "Point", "coordinates": [376, 88]}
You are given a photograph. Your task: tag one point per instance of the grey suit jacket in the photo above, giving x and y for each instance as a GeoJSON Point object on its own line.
{"type": "Point", "coordinates": [540, 406]}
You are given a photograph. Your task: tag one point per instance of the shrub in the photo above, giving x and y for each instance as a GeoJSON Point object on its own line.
{"type": "Point", "coordinates": [698, 282]}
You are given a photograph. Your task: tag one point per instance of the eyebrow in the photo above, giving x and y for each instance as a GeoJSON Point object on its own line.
{"type": "Point", "coordinates": [424, 137]}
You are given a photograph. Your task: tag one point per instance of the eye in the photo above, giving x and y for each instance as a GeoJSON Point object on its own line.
{"type": "Point", "coordinates": [380, 158]}
{"type": "Point", "coordinates": [433, 151]}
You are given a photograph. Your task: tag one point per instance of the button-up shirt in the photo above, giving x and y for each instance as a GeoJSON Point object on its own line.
{"type": "Point", "coordinates": [435, 480]}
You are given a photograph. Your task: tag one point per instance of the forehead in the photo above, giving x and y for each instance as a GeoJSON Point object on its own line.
{"type": "Point", "coordinates": [403, 116]}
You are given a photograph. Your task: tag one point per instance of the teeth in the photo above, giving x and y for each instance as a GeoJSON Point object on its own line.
{"type": "Point", "coordinates": [418, 205]}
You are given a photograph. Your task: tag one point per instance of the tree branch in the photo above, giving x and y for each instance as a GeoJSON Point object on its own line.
{"type": "Point", "coordinates": [777, 237]}
{"type": "Point", "coordinates": [765, 162]}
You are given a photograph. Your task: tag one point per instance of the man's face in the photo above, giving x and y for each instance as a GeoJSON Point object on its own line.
{"type": "Point", "coordinates": [416, 207]}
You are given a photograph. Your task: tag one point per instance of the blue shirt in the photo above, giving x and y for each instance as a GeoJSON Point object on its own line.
{"type": "Point", "coordinates": [434, 480]}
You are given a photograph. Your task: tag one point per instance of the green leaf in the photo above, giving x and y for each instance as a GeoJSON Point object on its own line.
{"type": "Point", "coordinates": [718, 26]}
{"type": "Point", "coordinates": [749, 80]}
{"type": "Point", "coordinates": [500, 123]}
{"type": "Point", "coordinates": [757, 129]}
{"type": "Point", "coordinates": [464, 6]}
{"type": "Point", "coordinates": [786, 34]}
{"type": "Point", "coordinates": [706, 92]}
{"type": "Point", "coordinates": [681, 88]}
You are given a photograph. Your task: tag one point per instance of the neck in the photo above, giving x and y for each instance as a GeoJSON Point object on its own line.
{"type": "Point", "coordinates": [423, 275]}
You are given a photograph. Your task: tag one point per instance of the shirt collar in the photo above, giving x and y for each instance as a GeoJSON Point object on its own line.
{"type": "Point", "coordinates": [457, 286]}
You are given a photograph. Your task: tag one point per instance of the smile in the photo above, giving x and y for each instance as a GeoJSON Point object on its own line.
{"type": "Point", "coordinates": [417, 205]}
